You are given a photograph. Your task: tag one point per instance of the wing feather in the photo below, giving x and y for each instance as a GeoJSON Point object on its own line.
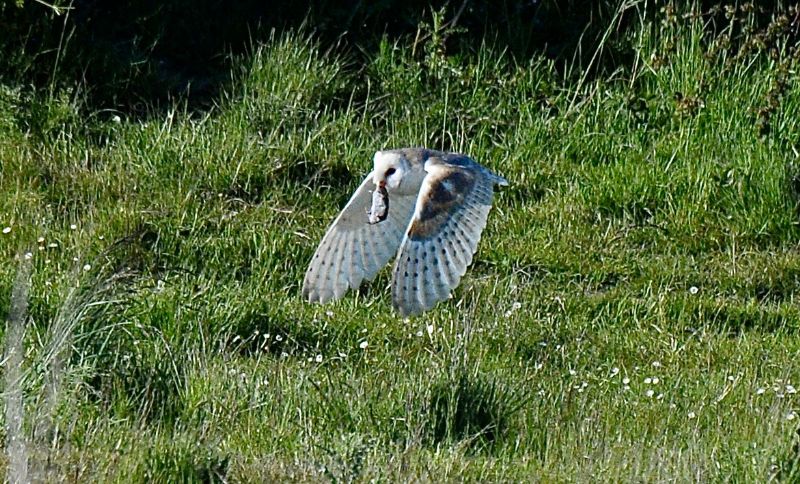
{"type": "Point", "coordinates": [420, 275]}
{"type": "Point", "coordinates": [374, 261]}
{"type": "Point", "coordinates": [347, 268]}
{"type": "Point", "coordinates": [353, 250]}
{"type": "Point", "coordinates": [332, 277]}
{"type": "Point", "coordinates": [441, 277]}
{"type": "Point", "coordinates": [442, 236]}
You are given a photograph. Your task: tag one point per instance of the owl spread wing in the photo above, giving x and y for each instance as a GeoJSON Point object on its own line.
{"type": "Point", "coordinates": [353, 249]}
{"type": "Point", "coordinates": [443, 234]}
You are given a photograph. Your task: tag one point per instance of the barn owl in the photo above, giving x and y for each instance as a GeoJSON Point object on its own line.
{"type": "Point", "coordinates": [427, 207]}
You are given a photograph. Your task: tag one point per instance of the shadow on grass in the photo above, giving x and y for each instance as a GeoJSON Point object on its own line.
{"type": "Point", "coordinates": [788, 469]}
{"type": "Point", "coordinates": [316, 173]}
{"type": "Point", "coordinates": [524, 194]}
{"type": "Point", "coordinates": [271, 331]}
{"type": "Point", "coordinates": [471, 407]}
{"type": "Point", "coordinates": [793, 184]}
{"type": "Point", "coordinates": [777, 285]}
{"type": "Point", "coordinates": [735, 318]}
{"type": "Point", "coordinates": [192, 462]}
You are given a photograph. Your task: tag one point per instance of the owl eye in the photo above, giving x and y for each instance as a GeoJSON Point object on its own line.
{"type": "Point", "coordinates": [390, 172]}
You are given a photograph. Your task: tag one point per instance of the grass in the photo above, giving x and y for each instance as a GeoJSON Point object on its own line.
{"type": "Point", "coordinates": [632, 312]}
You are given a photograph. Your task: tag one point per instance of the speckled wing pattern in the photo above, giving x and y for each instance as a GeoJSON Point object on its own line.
{"type": "Point", "coordinates": [443, 234]}
{"type": "Point", "coordinates": [354, 250]}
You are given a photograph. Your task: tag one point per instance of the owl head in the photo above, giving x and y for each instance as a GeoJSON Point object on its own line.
{"type": "Point", "coordinates": [390, 169]}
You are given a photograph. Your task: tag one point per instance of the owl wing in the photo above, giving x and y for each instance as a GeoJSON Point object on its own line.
{"type": "Point", "coordinates": [443, 234]}
{"type": "Point", "coordinates": [352, 249]}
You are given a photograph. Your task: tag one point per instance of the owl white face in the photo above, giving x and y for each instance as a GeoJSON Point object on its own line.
{"type": "Point", "coordinates": [389, 169]}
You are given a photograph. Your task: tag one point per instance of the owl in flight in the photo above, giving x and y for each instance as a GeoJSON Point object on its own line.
{"type": "Point", "coordinates": [427, 207]}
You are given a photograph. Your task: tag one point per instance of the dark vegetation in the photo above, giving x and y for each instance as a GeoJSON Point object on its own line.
{"type": "Point", "coordinates": [139, 54]}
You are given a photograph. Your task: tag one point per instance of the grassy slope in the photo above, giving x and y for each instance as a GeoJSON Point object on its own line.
{"type": "Point", "coordinates": [645, 235]}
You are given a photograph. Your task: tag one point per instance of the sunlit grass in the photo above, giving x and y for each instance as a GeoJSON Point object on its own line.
{"type": "Point", "coordinates": [631, 313]}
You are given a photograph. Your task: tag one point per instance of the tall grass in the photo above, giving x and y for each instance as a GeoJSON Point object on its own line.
{"type": "Point", "coordinates": [16, 439]}
{"type": "Point", "coordinates": [631, 313]}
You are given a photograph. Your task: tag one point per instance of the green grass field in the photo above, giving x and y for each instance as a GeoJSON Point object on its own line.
{"type": "Point", "coordinates": [632, 314]}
